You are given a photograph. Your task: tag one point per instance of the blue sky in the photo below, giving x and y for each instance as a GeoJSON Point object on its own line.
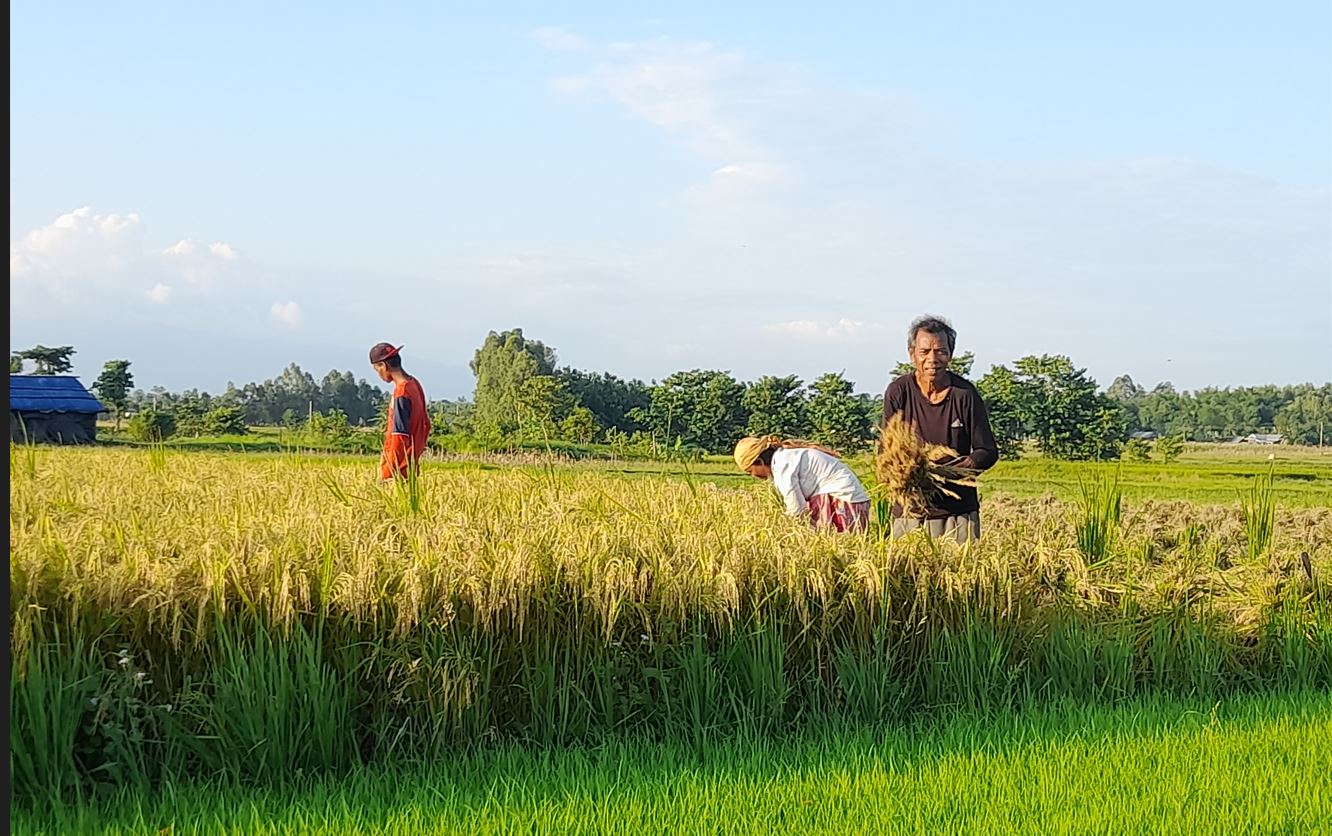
{"type": "Point", "coordinates": [213, 192]}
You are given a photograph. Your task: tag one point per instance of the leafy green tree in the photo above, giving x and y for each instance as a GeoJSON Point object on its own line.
{"type": "Point", "coordinates": [15, 363]}
{"type": "Point", "coordinates": [580, 426]}
{"type": "Point", "coordinates": [224, 420]}
{"type": "Point", "coordinates": [503, 363]}
{"type": "Point", "coordinates": [542, 403]}
{"type": "Point", "coordinates": [1127, 394]}
{"type": "Point", "coordinates": [189, 410]}
{"type": "Point", "coordinates": [838, 417]}
{"type": "Point", "coordinates": [697, 408]}
{"type": "Point", "coordinates": [113, 386]}
{"type": "Point", "coordinates": [1003, 403]}
{"type": "Point", "coordinates": [1165, 411]}
{"type": "Point", "coordinates": [452, 417]}
{"type": "Point", "coordinates": [297, 391]}
{"type": "Point", "coordinates": [776, 406]}
{"type": "Point", "coordinates": [1219, 414]}
{"type": "Point", "coordinates": [1062, 410]}
{"type": "Point", "coordinates": [1137, 450]}
{"type": "Point", "coordinates": [329, 427]}
{"type": "Point", "coordinates": [49, 360]}
{"type": "Point", "coordinates": [610, 398]}
{"type": "Point", "coordinates": [1169, 447]}
{"type": "Point", "coordinates": [959, 365]}
{"type": "Point", "coordinates": [358, 399]}
{"type": "Point", "coordinates": [1307, 418]}
{"type": "Point", "coordinates": [1124, 389]}
{"type": "Point", "coordinates": [151, 426]}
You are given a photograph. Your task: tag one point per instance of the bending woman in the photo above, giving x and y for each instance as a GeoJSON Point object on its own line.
{"type": "Point", "coordinates": [812, 480]}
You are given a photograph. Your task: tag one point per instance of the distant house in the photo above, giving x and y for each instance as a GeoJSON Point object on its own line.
{"type": "Point", "coordinates": [52, 408]}
{"type": "Point", "coordinates": [1144, 435]}
{"type": "Point", "coordinates": [1263, 438]}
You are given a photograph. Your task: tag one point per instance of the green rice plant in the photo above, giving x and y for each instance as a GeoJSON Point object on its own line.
{"type": "Point", "coordinates": [870, 679]}
{"type": "Point", "coordinates": [972, 666]}
{"type": "Point", "coordinates": [1097, 523]}
{"type": "Point", "coordinates": [1253, 764]}
{"type": "Point", "coordinates": [52, 689]}
{"type": "Point", "coordinates": [158, 457]}
{"type": "Point", "coordinates": [408, 493]}
{"type": "Point", "coordinates": [881, 513]}
{"type": "Point", "coordinates": [1092, 664]}
{"type": "Point", "coordinates": [279, 705]}
{"type": "Point", "coordinates": [23, 458]}
{"type": "Point", "coordinates": [759, 687]}
{"type": "Point", "coordinates": [1191, 538]}
{"type": "Point", "coordinates": [697, 684]}
{"type": "Point", "coordinates": [1258, 508]}
{"type": "Point", "coordinates": [557, 708]}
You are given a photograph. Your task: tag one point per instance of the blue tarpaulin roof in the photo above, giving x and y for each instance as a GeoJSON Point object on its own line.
{"type": "Point", "coordinates": [50, 393]}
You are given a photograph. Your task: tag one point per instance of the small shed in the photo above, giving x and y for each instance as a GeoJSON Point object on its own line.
{"type": "Point", "coordinates": [1263, 438]}
{"type": "Point", "coordinates": [52, 408]}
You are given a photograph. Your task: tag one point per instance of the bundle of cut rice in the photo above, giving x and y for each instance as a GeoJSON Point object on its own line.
{"type": "Point", "coordinates": [912, 471]}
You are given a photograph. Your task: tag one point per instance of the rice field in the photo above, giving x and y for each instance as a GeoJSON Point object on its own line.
{"type": "Point", "coordinates": [254, 618]}
{"type": "Point", "coordinates": [1242, 766]}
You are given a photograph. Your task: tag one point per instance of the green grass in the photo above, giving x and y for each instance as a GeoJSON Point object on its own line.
{"type": "Point", "coordinates": [1304, 482]}
{"type": "Point", "coordinates": [1249, 765]}
{"type": "Point", "coordinates": [1300, 479]}
{"type": "Point", "coordinates": [1205, 473]}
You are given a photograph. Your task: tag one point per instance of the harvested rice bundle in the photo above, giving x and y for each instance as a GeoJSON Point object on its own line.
{"type": "Point", "coordinates": [912, 471]}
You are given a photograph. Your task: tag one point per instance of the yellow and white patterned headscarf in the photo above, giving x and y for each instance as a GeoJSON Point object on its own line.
{"type": "Point", "coordinates": [749, 448]}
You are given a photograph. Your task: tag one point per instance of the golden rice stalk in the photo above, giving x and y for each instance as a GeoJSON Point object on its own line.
{"type": "Point", "coordinates": [912, 471]}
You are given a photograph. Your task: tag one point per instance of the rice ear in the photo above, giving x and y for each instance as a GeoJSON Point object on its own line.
{"type": "Point", "coordinates": [910, 470]}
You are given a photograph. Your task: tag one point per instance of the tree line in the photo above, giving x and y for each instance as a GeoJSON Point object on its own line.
{"type": "Point", "coordinates": [338, 402]}
{"type": "Point", "coordinates": [1303, 414]}
{"type": "Point", "coordinates": [522, 396]}
{"type": "Point", "coordinates": [1045, 401]}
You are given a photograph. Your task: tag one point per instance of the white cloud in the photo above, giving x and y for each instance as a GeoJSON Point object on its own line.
{"type": "Point", "coordinates": [767, 132]}
{"type": "Point", "coordinates": [196, 264]}
{"type": "Point", "coordinates": [682, 86]}
{"type": "Point", "coordinates": [160, 293]}
{"type": "Point", "coordinates": [223, 251]}
{"type": "Point", "coordinates": [840, 330]}
{"type": "Point", "coordinates": [287, 313]}
{"type": "Point", "coordinates": [75, 244]}
{"type": "Point", "coordinates": [81, 252]}
{"type": "Point", "coordinates": [183, 247]}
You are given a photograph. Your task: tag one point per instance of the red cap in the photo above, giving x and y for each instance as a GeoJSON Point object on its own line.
{"type": "Point", "coordinates": [383, 351]}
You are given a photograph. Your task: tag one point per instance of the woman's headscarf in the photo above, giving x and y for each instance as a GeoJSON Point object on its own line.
{"type": "Point", "coordinates": [749, 448]}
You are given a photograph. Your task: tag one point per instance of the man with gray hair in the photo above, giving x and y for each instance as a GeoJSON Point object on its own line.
{"type": "Point", "coordinates": [945, 409]}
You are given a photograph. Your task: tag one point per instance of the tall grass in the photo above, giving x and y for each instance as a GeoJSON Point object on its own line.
{"type": "Point", "coordinates": [1253, 765]}
{"type": "Point", "coordinates": [284, 617]}
{"type": "Point", "coordinates": [158, 456]}
{"type": "Point", "coordinates": [1258, 507]}
{"type": "Point", "coordinates": [23, 457]}
{"type": "Point", "coordinates": [1099, 506]}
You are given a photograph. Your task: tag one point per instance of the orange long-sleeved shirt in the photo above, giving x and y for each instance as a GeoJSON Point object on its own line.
{"type": "Point", "coordinates": [408, 429]}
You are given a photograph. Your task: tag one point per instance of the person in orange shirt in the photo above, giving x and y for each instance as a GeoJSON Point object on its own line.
{"type": "Point", "coordinates": [408, 416]}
